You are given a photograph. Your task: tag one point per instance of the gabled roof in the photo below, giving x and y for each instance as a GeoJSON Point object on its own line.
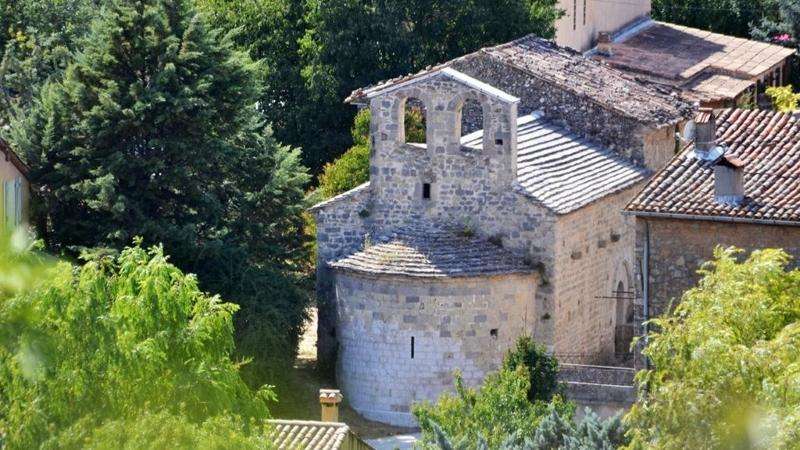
{"type": "Point", "coordinates": [312, 435]}
{"type": "Point", "coordinates": [711, 65]}
{"type": "Point", "coordinates": [568, 70]}
{"type": "Point", "coordinates": [445, 72]}
{"type": "Point", "coordinates": [431, 253]}
{"type": "Point", "coordinates": [8, 155]}
{"type": "Point", "coordinates": [767, 143]}
{"type": "Point", "coordinates": [563, 171]}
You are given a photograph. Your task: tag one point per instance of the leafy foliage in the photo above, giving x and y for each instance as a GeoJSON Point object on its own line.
{"type": "Point", "coordinates": [318, 51]}
{"type": "Point", "coordinates": [782, 26]}
{"type": "Point", "coordinates": [494, 412]}
{"type": "Point", "coordinates": [352, 168]}
{"type": "Point", "coordinates": [37, 41]}
{"type": "Point", "coordinates": [784, 99]}
{"type": "Point", "coordinates": [154, 132]}
{"type": "Point", "coordinates": [119, 349]}
{"type": "Point", "coordinates": [505, 409]}
{"type": "Point", "coordinates": [542, 368]}
{"type": "Point", "coordinates": [726, 361]}
{"type": "Point", "coordinates": [733, 17]}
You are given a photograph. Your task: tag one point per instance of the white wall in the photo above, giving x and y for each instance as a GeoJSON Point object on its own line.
{"type": "Point", "coordinates": [583, 19]}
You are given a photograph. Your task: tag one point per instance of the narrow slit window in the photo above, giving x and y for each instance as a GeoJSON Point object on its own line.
{"type": "Point", "coordinates": [426, 191]}
{"type": "Point", "coordinates": [412, 347]}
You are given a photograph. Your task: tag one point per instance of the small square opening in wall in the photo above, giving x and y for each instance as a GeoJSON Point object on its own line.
{"type": "Point", "coordinates": [498, 142]}
{"type": "Point", "coordinates": [426, 191]}
{"type": "Point", "coordinates": [493, 333]}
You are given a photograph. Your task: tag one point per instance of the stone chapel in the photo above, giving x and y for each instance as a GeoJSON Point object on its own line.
{"type": "Point", "coordinates": [505, 222]}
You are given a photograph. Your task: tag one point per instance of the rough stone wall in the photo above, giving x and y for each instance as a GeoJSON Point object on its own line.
{"type": "Point", "coordinates": [660, 146]}
{"type": "Point", "coordinates": [594, 252]}
{"type": "Point", "coordinates": [341, 227]}
{"type": "Point", "coordinates": [464, 324]}
{"type": "Point", "coordinates": [576, 113]}
{"type": "Point", "coordinates": [679, 247]}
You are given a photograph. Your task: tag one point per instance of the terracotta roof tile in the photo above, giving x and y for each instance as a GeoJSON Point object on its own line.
{"type": "Point", "coordinates": [308, 435]}
{"type": "Point", "coordinates": [767, 143]}
{"type": "Point", "coordinates": [676, 54]}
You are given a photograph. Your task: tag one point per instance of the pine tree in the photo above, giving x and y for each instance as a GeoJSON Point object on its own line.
{"type": "Point", "coordinates": [154, 132]}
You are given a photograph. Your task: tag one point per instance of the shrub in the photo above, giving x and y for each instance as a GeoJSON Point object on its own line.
{"type": "Point", "coordinates": [541, 367]}
{"type": "Point", "coordinates": [726, 363]}
{"type": "Point", "coordinates": [119, 343]}
{"type": "Point", "coordinates": [783, 98]}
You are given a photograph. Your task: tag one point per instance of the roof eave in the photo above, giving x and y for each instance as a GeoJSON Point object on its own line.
{"type": "Point", "coordinates": [724, 219]}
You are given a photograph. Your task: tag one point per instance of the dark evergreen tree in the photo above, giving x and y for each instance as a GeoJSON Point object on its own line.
{"type": "Point", "coordinates": [154, 132]}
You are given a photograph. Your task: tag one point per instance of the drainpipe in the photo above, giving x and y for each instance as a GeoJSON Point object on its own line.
{"type": "Point", "coordinates": [646, 286]}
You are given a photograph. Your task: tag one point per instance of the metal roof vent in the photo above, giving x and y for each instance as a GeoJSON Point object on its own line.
{"type": "Point", "coordinates": [703, 131]}
{"type": "Point", "coordinates": [729, 180]}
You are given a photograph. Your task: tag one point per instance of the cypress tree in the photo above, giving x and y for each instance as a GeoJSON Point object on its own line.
{"type": "Point", "coordinates": [154, 132]}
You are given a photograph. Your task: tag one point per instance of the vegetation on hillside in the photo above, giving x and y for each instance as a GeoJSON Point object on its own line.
{"type": "Point", "coordinates": [726, 361]}
{"type": "Point", "coordinates": [122, 351]}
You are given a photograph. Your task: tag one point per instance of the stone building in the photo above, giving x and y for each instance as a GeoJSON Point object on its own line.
{"type": "Point", "coordinates": [713, 69]}
{"type": "Point", "coordinates": [458, 246]}
{"type": "Point", "coordinates": [736, 185]}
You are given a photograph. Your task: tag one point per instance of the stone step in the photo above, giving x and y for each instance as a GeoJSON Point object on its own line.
{"type": "Point", "coordinates": [606, 375]}
{"type": "Point", "coordinates": [593, 393]}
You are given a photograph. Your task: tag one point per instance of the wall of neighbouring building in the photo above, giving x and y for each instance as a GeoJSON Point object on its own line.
{"type": "Point", "coordinates": [594, 253]}
{"type": "Point", "coordinates": [583, 19]}
{"type": "Point", "coordinates": [9, 172]}
{"type": "Point", "coordinates": [451, 322]}
{"type": "Point", "coordinates": [571, 111]}
{"type": "Point", "coordinates": [679, 247]}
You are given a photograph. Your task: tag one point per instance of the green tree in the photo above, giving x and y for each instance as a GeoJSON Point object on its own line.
{"type": "Point", "coordinates": [542, 368]}
{"type": "Point", "coordinates": [118, 349]}
{"type": "Point", "coordinates": [154, 132]}
{"type": "Point", "coordinates": [733, 17]}
{"type": "Point", "coordinates": [37, 40]}
{"type": "Point", "coordinates": [726, 361]}
{"type": "Point", "coordinates": [782, 26]}
{"type": "Point", "coordinates": [507, 408]}
{"type": "Point", "coordinates": [352, 168]}
{"type": "Point", "coordinates": [354, 43]}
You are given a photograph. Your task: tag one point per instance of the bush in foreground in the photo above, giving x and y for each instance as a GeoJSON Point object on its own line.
{"type": "Point", "coordinates": [118, 352]}
{"type": "Point", "coordinates": [727, 361]}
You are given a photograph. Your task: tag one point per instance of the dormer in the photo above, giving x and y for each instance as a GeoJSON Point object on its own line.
{"type": "Point", "coordinates": [442, 94]}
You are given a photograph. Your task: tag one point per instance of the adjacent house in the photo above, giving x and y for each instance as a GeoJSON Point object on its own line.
{"type": "Point", "coordinates": [737, 184]}
{"type": "Point", "coordinates": [505, 222]}
{"type": "Point", "coordinates": [710, 68]}
{"type": "Point", "coordinates": [14, 189]}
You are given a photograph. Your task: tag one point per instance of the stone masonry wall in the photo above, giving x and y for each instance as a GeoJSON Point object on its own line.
{"type": "Point", "coordinates": [576, 113]}
{"type": "Point", "coordinates": [341, 227]}
{"type": "Point", "coordinates": [679, 247]}
{"type": "Point", "coordinates": [594, 252]}
{"type": "Point", "coordinates": [456, 324]}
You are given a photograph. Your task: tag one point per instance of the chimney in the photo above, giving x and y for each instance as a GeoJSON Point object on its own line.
{"type": "Point", "coordinates": [329, 400]}
{"type": "Point", "coordinates": [705, 139]}
{"type": "Point", "coordinates": [604, 42]}
{"type": "Point", "coordinates": [729, 180]}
